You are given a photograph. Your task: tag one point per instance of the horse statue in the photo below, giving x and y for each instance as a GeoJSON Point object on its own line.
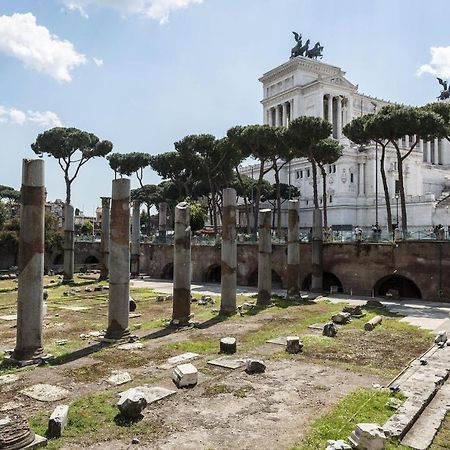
{"type": "Point", "coordinates": [295, 50]}
{"type": "Point", "coordinates": [315, 52]}
{"type": "Point", "coordinates": [446, 92]}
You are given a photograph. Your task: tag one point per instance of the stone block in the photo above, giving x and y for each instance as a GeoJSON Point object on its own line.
{"type": "Point", "coordinates": [255, 366]}
{"type": "Point", "coordinates": [368, 436]}
{"type": "Point", "coordinates": [131, 403]}
{"type": "Point", "coordinates": [118, 378]}
{"type": "Point", "coordinates": [441, 337]}
{"type": "Point", "coordinates": [228, 345]}
{"type": "Point", "coordinates": [58, 421]}
{"type": "Point", "coordinates": [185, 375]}
{"type": "Point", "coordinates": [132, 305]}
{"type": "Point", "coordinates": [329, 329]}
{"type": "Point", "coordinates": [293, 344]}
{"type": "Point", "coordinates": [372, 323]}
{"type": "Point", "coordinates": [341, 318]}
{"type": "Point", "coordinates": [337, 445]}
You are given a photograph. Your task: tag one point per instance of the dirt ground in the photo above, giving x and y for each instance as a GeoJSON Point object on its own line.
{"type": "Point", "coordinates": [227, 409]}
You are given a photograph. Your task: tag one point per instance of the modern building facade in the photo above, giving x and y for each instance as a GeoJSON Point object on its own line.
{"type": "Point", "coordinates": [303, 86]}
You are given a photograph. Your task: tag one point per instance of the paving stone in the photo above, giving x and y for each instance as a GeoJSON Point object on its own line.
{"type": "Point", "coordinates": [185, 375]}
{"type": "Point", "coordinates": [175, 360]}
{"type": "Point", "coordinates": [153, 394]}
{"type": "Point", "coordinates": [317, 326]}
{"type": "Point", "coordinates": [337, 445]}
{"type": "Point", "coordinates": [131, 346]}
{"type": "Point", "coordinates": [45, 392]}
{"type": "Point", "coordinates": [131, 403]}
{"type": "Point", "coordinates": [278, 341]}
{"type": "Point", "coordinates": [8, 378]}
{"type": "Point", "coordinates": [9, 317]}
{"type": "Point", "coordinates": [228, 363]}
{"type": "Point", "coordinates": [58, 421]}
{"type": "Point", "coordinates": [117, 378]}
{"type": "Point", "coordinates": [74, 308]}
{"type": "Point", "coordinates": [10, 406]}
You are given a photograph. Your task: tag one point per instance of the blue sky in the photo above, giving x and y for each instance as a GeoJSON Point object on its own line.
{"type": "Point", "coordinates": [145, 73]}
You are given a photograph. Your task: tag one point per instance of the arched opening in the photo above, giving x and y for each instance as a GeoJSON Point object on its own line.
{"type": "Point", "coordinates": [277, 282]}
{"type": "Point", "coordinates": [91, 259]}
{"type": "Point", "coordinates": [59, 259]}
{"type": "Point", "coordinates": [167, 272]}
{"type": "Point", "coordinates": [398, 284]}
{"type": "Point", "coordinates": [213, 274]}
{"type": "Point", "coordinates": [329, 279]}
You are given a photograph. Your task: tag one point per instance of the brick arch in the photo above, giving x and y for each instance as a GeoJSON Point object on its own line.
{"type": "Point", "coordinates": [329, 279]}
{"type": "Point", "coordinates": [404, 285]}
{"type": "Point", "coordinates": [213, 274]}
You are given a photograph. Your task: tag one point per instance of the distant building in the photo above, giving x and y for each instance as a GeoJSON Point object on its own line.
{"type": "Point", "coordinates": [303, 86]}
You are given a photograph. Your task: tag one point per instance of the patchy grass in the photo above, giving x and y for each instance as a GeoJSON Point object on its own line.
{"type": "Point", "coordinates": [88, 374]}
{"type": "Point", "coordinates": [114, 358]}
{"type": "Point", "coordinates": [95, 418]}
{"type": "Point", "coordinates": [217, 389]}
{"type": "Point", "coordinates": [205, 345]}
{"type": "Point", "coordinates": [442, 438]}
{"type": "Point", "coordinates": [243, 391]}
{"type": "Point", "coordinates": [363, 405]}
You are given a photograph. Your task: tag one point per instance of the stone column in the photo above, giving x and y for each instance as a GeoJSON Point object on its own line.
{"type": "Point", "coordinates": [284, 109]}
{"type": "Point", "coordinates": [317, 252]}
{"type": "Point", "coordinates": [292, 116]}
{"type": "Point", "coordinates": [361, 180]}
{"type": "Point", "coordinates": [436, 151]}
{"type": "Point", "coordinates": [428, 144]}
{"type": "Point", "coordinates": [182, 266]}
{"type": "Point", "coordinates": [162, 218]}
{"type": "Point", "coordinates": [277, 115]}
{"type": "Point", "coordinates": [330, 109]}
{"type": "Point", "coordinates": [136, 239]}
{"type": "Point", "coordinates": [321, 112]}
{"type": "Point", "coordinates": [339, 117]}
{"type": "Point", "coordinates": [293, 251]}
{"type": "Point", "coordinates": [105, 238]}
{"type": "Point", "coordinates": [229, 253]}
{"type": "Point", "coordinates": [424, 156]}
{"type": "Point", "coordinates": [119, 261]}
{"type": "Point", "coordinates": [68, 244]}
{"type": "Point", "coordinates": [31, 263]}
{"type": "Point", "coordinates": [264, 258]}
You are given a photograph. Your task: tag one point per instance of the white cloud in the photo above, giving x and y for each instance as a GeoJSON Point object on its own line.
{"type": "Point", "coordinates": [154, 9]}
{"type": "Point", "coordinates": [98, 62]}
{"type": "Point", "coordinates": [13, 116]}
{"type": "Point", "coordinates": [439, 64]}
{"type": "Point", "coordinates": [34, 45]}
{"type": "Point", "coordinates": [74, 7]}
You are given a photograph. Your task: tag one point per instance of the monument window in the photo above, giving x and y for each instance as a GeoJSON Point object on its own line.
{"type": "Point", "coordinates": [331, 199]}
{"type": "Point", "coordinates": [308, 173]}
{"type": "Point", "coordinates": [334, 168]}
{"type": "Point", "coordinates": [330, 169]}
{"type": "Point", "coordinates": [297, 174]}
{"type": "Point", "coordinates": [351, 178]}
{"type": "Point", "coordinates": [301, 173]}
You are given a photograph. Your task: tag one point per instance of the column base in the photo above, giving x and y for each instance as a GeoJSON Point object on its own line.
{"type": "Point", "coordinates": [68, 281]}
{"type": "Point", "coordinates": [22, 359]}
{"type": "Point", "coordinates": [228, 312]}
{"type": "Point", "coordinates": [114, 335]}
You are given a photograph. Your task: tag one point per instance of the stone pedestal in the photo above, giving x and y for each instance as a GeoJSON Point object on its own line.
{"type": "Point", "coordinates": [162, 218]}
{"type": "Point", "coordinates": [264, 258]}
{"type": "Point", "coordinates": [119, 261]}
{"type": "Point", "coordinates": [58, 421]}
{"type": "Point", "coordinates": [185, 375]}
{"type": "Point", "coordinates": [317, 253]}
{"type": "Point", "coordinates": [229, 253]}
{"type": "Point", "coordinates": [15, 433]}
{"type": "Point", "coordinates": [31, 264]}
{"type": "Point", "coordinates": [293, 251]}
{"type": "Point", "coordinates": [105, 238]}
{"type": "Point", "coordinates": [182, 266]}
{"type": "Point", "coordinates": [293, 344]}
{"type": "Point", "coordinates": [68, 244]}
{"type": "Point", "coordinates": [228, 345]}
{"type": "Point", "coordinates": [136, 239]}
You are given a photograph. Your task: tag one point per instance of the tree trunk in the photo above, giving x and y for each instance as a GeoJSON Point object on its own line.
{"type": "Point", "coordinates": [258, 198]}
{"type": "Point", "coordinates": [402, 193]}
{"type": "Point", "coordinates": [386, 189]}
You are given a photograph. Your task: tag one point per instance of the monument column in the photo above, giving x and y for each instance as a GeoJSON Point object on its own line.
{"type": "Point", "coordinates": [136, 239]}
{"type": "Point", "coordinates": [119, 261]}
{"type": "Point", "coordinates": [436, 151]}
{"type": "Point", "coordinates": [68, 244]}
{"type": "Point", "coordinates": [428, 143]}
{"type": "Point", "coordinates": [229, 253]}
{"type": "Point", "coordinates": [264, 258]}
{"type": "Point", "coordinates": [31, 263]}
{"type": "Point", "coordinates": [317, 252]}
{"type": "Point", "coordinates": [182, 266]}
{"type": "Point", "coordinates": [284, 114]}
{"type": "Point", "coordinates": [162, 221]}
{"type": "Point", "coordinates": [292, 115]}
{"type": "Point", "coordinates": [293, 251]}
{"type": "Point", "coordinates": [330, 109]}
{"type": "Point", "coordinates": [105, 238]}
{"type": "Point", "coordinates": [277, 115]}
{"type": "Point", "coordinates": [339, 117]}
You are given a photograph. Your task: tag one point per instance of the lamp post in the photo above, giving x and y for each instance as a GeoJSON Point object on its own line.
{"type": "Point", "coordinates": [396, 198]}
